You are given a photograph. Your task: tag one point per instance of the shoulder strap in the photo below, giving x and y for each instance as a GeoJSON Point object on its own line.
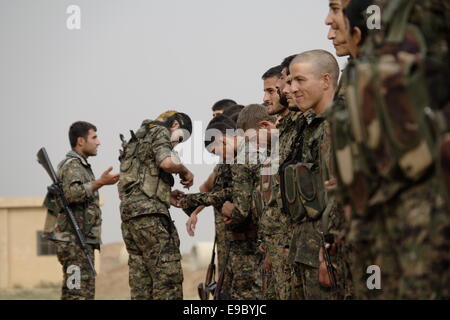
{"type": "Point", "coordinates": [397, 13]}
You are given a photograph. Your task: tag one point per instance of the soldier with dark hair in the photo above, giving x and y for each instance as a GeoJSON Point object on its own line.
{"type": "Point", "coordinates": [147, 163]}
{"type": "Point", "coordinates": [218, 181]}
{"type": "Point", "coordinates": [233, 112]}
{"type": "Point", "coordinates": [220, 106]}
{"type": "Point", "coordinates": [81, 191]}
{"type": "Point", "coordinates": [275, 225]}
{"type": "Point", "coordinates": [271, 94]}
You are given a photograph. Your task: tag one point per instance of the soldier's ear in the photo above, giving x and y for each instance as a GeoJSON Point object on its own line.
{"type": "Point", "coordinates": [81, 141]}
{"type": "Point", "coordinates": [356, 36]}
{"type": "Point", "coordinates": [326, 78]}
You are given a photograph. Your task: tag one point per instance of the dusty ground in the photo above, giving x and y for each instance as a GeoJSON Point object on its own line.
{"type": "Point", "coordinates": [111, 282]}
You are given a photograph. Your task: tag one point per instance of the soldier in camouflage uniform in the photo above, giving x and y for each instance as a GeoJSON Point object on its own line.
{"type": "Point", "coordinates": [393, 183]}
{"type": "Point", "coordinates": [242, 278]}
{"type": "Point", "coordinates": [219, 180]}
{"type": "Point", "coordinates": [314, 211]}
{"type": "Point", "coordinates": [243, 217]}
{"type": "Point", "coordinates": [81, 191]}
{"type": "Point", "coordinates": [274, 229]}
{"type": "Point", "coordinates": [147, 164]}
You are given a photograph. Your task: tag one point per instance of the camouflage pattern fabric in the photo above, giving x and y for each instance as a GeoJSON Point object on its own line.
{"type": "Point", "coordinates": [243, 271]}
{"type": "Point", "coordinates": [69, 254]}
{"type": "Point", "coordinates": [152, 192]}
{"type": "Point", "coordinates": [243, 277]}
{"type": "Point", "coordinates": [406, 232]}
{"type": "Point", "coordinates": [223, 181]}
{"type": "Point", "coordinates": [76, 176]}
{"type": "Point", "coordinates": [280, 278]}
{"type": "Point", "coordinates": [275, 227]}
{"type": "Point", "coordinates": [154, 261]}
{"type": "Point", "coordinates": [212, 198]}
{"type": "Point", "coordinates": [326, 217]}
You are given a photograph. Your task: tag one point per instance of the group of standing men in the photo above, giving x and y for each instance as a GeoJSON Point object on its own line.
{"type": "Point", "coordinates": [332, 189]}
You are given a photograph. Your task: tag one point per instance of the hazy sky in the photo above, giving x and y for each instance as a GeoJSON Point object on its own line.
{"type": "Point", "coordinates": [130, 61]}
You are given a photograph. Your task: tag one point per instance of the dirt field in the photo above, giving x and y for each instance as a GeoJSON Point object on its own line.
{"type": "Point", "coordinates": [111, 282]}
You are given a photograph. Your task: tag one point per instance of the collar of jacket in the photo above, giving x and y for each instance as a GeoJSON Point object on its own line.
{"type": "Point", "coordinates": [74, 154]}
{"type": "Point", "coordinates": [310, 116]}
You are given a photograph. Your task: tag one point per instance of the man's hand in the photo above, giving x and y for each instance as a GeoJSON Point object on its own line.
{"type": "Point", "coordinates": [175, 197]}
{"type": "Point", "coordinates": [192, 221]}
{"type": "Point", "coordinates": [324, 278]}
{"type": "Point", "coordinates": [187, 179]}
{"type": "Point", "coordinates": [107, 178]}
{"type": "Point", "coordinates": [227, 211]}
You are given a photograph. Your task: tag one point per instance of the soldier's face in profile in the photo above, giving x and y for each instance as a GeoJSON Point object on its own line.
{"type": "Point", "coordinates": [287, 91]}
{"type": "Point", "coordinates": [223, 147]}
{"type": "Point", "coordinates": [89, 144]}
{"type": "Point", "coordinates": [271, 98]}
{"type": "Point", "coordinates": [338, 30]}
{"type": "Point", "coordinates": [307, 86]}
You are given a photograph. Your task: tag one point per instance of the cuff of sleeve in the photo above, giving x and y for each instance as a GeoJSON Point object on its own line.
{"type": "Point", "coordinates": [88, 189]}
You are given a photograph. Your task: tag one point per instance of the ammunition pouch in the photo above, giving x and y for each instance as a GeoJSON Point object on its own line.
{"type": "Point", "coordinates": [53, 208]}
{"type": "Point", "coordinates": [291, 195]}
{"type": "Point", "coordinates": [312, 190]}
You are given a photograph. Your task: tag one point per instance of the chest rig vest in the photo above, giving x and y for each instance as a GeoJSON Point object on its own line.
{"type": "Point", "coordinates": [139, 173]}
{"type": "Point", "coordinates": [301, 177]}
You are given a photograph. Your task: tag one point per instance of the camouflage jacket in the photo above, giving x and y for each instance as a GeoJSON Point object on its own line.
{"type": "Point", "coordinates": [246, 175]}
{"type": "Point", "coordinates": [288, 134]}
{"type": "Point", "coordinates": [76, 176]}
{"type": "Point", "coordinates": [272, 221]}
{"type": "Point", "coordinates": [315, 150]}
{"type": "Point", "coordinates": [155, 147]}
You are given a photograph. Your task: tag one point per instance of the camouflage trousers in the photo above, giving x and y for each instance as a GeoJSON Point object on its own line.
{"type": "Point", "coordinates": [154, 260]}
{"type": "Point", "coordinates": [304, 260]}
{"type": "Point", "coordinates": [279, 287]}
{"type": "Point", "coordinates": [78, 280]}
{"type": "Point", "coordinates": [242, 276]}
{"type": "Point", "coordinates": [409, 239]}
{"type": "Point", "coordinates": [221, 244]}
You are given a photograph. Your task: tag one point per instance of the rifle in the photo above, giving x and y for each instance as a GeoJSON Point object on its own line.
{"type": "Point", "coordinates": [218, 290]}
{"type": "Point", "coordinates": [56, 189]}
{"type": "Point", "coordinates": [326, 256]}
{"type": "Point", "coordinates": [204, 289]}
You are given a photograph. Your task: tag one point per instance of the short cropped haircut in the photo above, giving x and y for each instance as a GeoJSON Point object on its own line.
{"type": "Point", "coordinates": [223, 104]}
{"type": "Point", "coordinates": [79, 129]}
{"type": "Point", "coordinates": [324, 62]}
{"type": "Point", "coordinates": [272, 72]}
{"type": "Point", "coordinates": [252, 115]}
